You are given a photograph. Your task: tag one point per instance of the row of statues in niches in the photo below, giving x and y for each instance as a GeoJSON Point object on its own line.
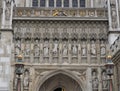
{"type": "Point", "coordinates": [25, 79]}
{"type": "Point", "coordinates": [56, 47]}
{"type": "Point", "coordinates": [97, 80]}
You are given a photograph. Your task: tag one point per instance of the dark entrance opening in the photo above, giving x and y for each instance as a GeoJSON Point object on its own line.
{"type": "Point", "coordinates": [58, 89]}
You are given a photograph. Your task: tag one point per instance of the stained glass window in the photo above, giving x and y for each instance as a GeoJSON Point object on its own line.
{"type": "Point", "coordinates": [66, 3]}
{"type": "Point", "coordinates": [35, 3]}
{"type": "Point", "coordinates": [58, 3]}
{"type": "Point", "coordinates": [42, 3]}
{"type": "Point", "coordinates": [82, 3]}
{"type": "Point", "coordinates": [51, 3]}
{"type": "Point", "coordinates": [74, 3]}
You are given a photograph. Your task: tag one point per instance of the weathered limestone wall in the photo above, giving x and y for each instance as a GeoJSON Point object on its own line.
{"type": "Point", "coordinates": [5, 58]}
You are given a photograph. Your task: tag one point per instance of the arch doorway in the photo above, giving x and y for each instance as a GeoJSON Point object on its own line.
{"type": "Point", "coordinates": [60, 82]}
{"type": "Point", "coordinates": [59, 89]}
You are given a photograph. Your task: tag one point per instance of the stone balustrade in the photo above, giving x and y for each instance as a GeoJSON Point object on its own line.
{"type": "Point", "coordinates": [60, 12]}
{"type": "Point", "coordinates": [115, 46]}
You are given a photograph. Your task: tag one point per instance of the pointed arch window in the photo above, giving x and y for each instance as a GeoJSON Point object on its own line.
{"type": "Point", "coordinates": [74, 3]}
{"type": "Point", "coordinates": [58, 3]}
{"type": "Point", "coordinates": [51, 3]}
{"type": "Point", "coordinates": [42, 3]}
{"type": "Point", "coordinates": [35, 3]}
{"type": "Point", "coordinates": [82, 3]}
{"type": "Point", "coordinates": [66, 3]}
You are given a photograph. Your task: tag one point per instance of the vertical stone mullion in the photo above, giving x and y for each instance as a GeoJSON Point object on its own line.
{"type": "Point", "coordinates": [62, 3]}
{"type": "Point", "coordinates": [70, 3]}
{"type": "Point", "coordinates": [92, 5]}
{"type": "Point", "coordinates": [54, 3]}
{"type": "Point", "coordinates": [78, 3]}
{"type": "Point", "coordinates": [47, 3]}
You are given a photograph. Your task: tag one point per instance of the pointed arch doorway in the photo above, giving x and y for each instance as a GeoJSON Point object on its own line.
{"type": "Point", "coordinates": [60, 82]}
{"type": "Point", "coordinates": [59, 89]}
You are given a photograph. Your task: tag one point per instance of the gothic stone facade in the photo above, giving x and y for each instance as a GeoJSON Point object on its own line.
{"type": "Point", "coordinates": [61, 47]}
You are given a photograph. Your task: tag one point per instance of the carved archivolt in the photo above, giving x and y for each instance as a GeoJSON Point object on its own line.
{"type": "Point", "coordinates": [45, 75]}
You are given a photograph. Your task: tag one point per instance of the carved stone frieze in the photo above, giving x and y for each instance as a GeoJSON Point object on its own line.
{"type": "Point", "coordinates": [52, 38]}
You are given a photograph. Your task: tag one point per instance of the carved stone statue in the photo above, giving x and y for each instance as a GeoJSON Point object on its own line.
{"type": "Point", "coordinates": [46, 48]}
{"type": "Point", "coordinates": [93, 48]}
{"type": "Point", "coordinates": [95, 81]}
{"type": "Point", "coordinates": [65, 49]}
{"type": "Point", "coordinates": [74, 48]}
{"type": "Point", "coordinates": [104, 80]}
{"type": "Point", "coordinates": [26, 79]}
{"type": "Point", "coordinates": [102, 49]}
{"type": "Point", "coordinates": [15, 81]}
{"type": "Point", "coordinates": [8, 10]}
{"type": "Point", "coordinates": [27, 49]}
{"type": "Point", "coordinates": [36, 50]}
{"type": "Point", "coordinates": [18, 47]}
{"type": "Point", "coordinates": [55, 48]}
{"type": "Point", "coordinates": [84, 50]}
{"type": "Point", "coordinates": [7, 13]}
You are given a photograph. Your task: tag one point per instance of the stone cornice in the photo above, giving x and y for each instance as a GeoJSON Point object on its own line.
{"type": "Point", "coordinates": [114, 32]}
{"type": "Point", "coordinates": [6, 30]}
{"type": "Point", "coordinates": [61, 18]}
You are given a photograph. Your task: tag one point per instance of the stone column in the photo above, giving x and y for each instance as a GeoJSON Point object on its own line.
{"type": "Point", "coordinates": [89, 79]}
{"type": "Point", "coordinates": [54, 3]}
{"type": "Point", "coordinates": [109, 15]}
{"type": "Point", "coordinates": [47, 3]}
{"type": "Point", "coordinates": [116, 78]}
{"type": "Point", "coordinates": [117, 11]}
{"type": "Point", "coordinates": [78, 3]}
{"type": "Point", "coordinates": [70, 3]}
{"type": "Point", "coordinates": [32, 75]}
{"type": "Point", "coordinates": [92, 4]}
{"type": "Point", "coordinates": [100, 80]}
{"type": "Point", "coordinates": [27, 3]}
{"type": "Point", "coordinates": [62, 3]}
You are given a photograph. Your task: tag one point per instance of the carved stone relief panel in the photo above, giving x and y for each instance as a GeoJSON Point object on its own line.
{"type": "Point", "coordinates": [95, 81]}
{"type": "Point", "coordinates": [93, 48]}
{"type": "Point", "coordinates": [102, 48]}
{"type": "Point", "coordinates": [84, 49]}
{"type": "Point", "coordinates": [65, 48]}
{"type": "Point", "coordinates": [26, 79]}
{"type": "Point", "coordinates": [104, 80]}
